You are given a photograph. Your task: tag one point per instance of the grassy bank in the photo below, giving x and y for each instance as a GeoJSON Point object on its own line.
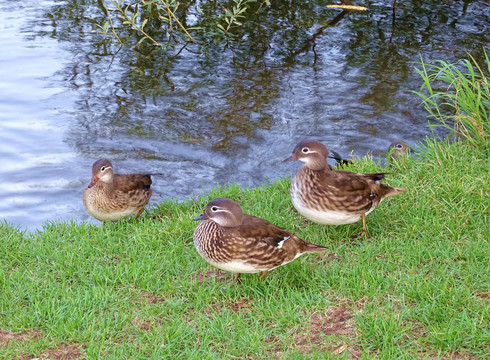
{"type": "Point", "coordinates": [419, 287]}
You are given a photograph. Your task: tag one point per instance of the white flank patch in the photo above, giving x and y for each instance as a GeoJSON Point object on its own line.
{"type": "Point", "coordinates": [281, 243]}
{"type": "Point", "coordinates": [237, 267]}
{"type": "Point", "coordinates": [113, 216]}
{"type": "Point", "coordinates": [328, 217]}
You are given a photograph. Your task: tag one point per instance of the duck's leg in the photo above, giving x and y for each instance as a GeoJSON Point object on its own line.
{"type": "Point", "coordinates": [263, 275]}
{"type": "Point", "coordinates": [364, 228]}
{"type": "Point", "coordinates": [141, 212]}
{"type": "Point", "coordinates": [237, 277]}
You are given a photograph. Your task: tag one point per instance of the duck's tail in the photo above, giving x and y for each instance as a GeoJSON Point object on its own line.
{"type": "Point", "coordinates": [391, 191]}
{"type": "Point", "coordinates": [309, 248]}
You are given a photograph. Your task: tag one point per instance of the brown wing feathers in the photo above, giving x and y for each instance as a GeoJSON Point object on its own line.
{"type": "Point", "coordinates": [132, 182]}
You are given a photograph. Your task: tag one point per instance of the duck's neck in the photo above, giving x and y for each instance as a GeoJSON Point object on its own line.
{"type": "Point", "coordinates": [318, 165]}
{"type": "Point", "coordinates": [106, 186]}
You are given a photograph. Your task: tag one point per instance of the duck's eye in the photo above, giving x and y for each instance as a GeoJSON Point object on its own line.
{"type": "Point", "coordinates": [102, 168]}
{"type": "Point", "coordinates": [305, 150]}
{"type": "Point", "coordinates": [399, 146]}
{"type": "Point", "coordinates": [214, 208]}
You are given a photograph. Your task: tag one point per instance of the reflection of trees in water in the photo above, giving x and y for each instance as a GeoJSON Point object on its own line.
{"type": "Point", "coordinates": [212, 93]}
{"type": "Point", "coordinates": [387, 49]}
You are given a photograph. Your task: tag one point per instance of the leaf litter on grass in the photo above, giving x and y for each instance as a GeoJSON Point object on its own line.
{"type": "Point", "coordinates": [7, 336]}
{"type": "Point", "coordinates": [63, 351]}
{"type": "Point", "coordinates": [331, 330]}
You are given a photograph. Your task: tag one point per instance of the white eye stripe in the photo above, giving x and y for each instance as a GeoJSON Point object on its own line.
{"type": "Point", "coordinates": [217, 209]}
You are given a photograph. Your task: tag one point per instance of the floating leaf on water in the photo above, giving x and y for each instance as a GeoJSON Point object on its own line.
{"type": "Point", "coordinates": [348, 7]}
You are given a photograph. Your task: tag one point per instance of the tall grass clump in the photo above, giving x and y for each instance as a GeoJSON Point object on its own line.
{"type": "Point", "coordinates": [457, 95]}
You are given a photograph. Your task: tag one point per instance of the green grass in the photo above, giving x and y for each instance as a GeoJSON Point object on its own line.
{"type": "Point", "coordinates": [419, 287]}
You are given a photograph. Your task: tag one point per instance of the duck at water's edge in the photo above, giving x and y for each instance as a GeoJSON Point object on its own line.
{"type": "Point", "coordinates": [110, 197]}
{"type": "Point", "coordinates": [330, 197]}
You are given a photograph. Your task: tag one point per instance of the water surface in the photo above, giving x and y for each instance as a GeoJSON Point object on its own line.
{"type": "Point", "coordinates": [197, 118]}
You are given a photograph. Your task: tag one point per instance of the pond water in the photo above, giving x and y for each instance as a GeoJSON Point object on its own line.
{"type": "Point", "coordinates": [229, 114]}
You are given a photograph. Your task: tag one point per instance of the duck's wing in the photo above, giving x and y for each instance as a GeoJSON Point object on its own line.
{"type": "Point", "coordinates": [357, 178]}
{"type": "Point", "coordinates": [261, 231]}
{"type": "Point", "coordinates": [349, 183]}
{"type": "Point", "coordinates": [344, 190]}
{"type": "Point", "coordinates": [135, 187]}
{"type": "Point", "coordinates": [132, 182]}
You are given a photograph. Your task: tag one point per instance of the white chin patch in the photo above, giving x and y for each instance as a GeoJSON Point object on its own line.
{"type": "Point", "coordinates": [104, 177]}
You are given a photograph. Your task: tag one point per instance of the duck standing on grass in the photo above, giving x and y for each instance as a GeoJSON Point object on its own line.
{"type": "Point", "coordinates": [330, 197]}
{"type": "Point", "coordinates": [112, 197]}
{"type": "Point", "coordinates": [233, 241]}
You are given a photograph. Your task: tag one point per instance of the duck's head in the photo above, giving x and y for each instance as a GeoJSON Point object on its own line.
{"type": "Point", "coordinates": [223, 211]}
{"type": "Point", "coordinates": [101, 171]}
{"type": "Point", "coordinates": [400, 148]}
{"type": "Point", "coordinates": [313, 153]}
